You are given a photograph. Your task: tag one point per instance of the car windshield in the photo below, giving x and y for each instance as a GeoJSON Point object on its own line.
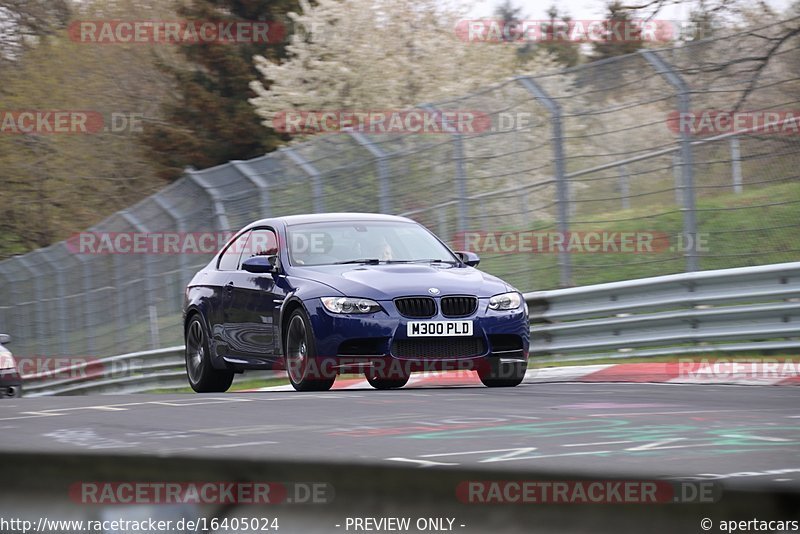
{"type": "Point", "coordinates": [330, 243]}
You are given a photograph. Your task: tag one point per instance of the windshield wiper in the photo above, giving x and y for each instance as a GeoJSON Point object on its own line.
{"type": "Point", "coordinates": [434, 260]}
{"type": "Point", "coordinates": [368, 261]}
{"type": "Point", "coordinates": [376, 261]}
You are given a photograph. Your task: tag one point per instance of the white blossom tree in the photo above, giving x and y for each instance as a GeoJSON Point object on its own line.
{"type": "Point", "coordinates": [371, 54]}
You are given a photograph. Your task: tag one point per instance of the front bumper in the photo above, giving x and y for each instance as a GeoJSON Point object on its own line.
{"type": "Point", "coordinates": [379, 341]}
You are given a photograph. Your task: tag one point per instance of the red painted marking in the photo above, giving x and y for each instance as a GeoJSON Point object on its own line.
{"type": "Point", "coordinates": [791, 381]}
{"type": "Point", "coordinates": [635, 372]}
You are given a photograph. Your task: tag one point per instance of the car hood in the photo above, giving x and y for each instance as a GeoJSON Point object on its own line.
{"type": "Point", "coordinates": [385, 282]}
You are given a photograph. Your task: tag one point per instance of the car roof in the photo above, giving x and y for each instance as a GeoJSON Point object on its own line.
{"type": "Point", "coordinates": [290, 220]}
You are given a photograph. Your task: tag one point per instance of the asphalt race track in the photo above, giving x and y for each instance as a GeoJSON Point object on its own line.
{"type": "Point", "coordinates": [727, 433]}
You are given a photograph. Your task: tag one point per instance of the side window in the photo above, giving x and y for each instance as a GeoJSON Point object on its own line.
{"type": "Point", "coordinates": [263, 242]}
{"type": "Point", "coordinates": [229, 261]}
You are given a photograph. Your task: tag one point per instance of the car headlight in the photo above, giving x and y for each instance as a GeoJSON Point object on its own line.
{"type": "Point", "coordinates": [505, 301]}
{"type": "Point", "coordinates": [350, 305]}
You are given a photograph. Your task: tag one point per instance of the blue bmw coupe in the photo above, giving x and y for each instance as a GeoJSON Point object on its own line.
{"type": "Point", "coordinates": [327, 294]}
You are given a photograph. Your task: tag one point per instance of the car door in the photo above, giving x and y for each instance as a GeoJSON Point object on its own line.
{"type": "Point", "coordinates": [252, 307]}
{"type": "Point", "coordinates": [222, 284]}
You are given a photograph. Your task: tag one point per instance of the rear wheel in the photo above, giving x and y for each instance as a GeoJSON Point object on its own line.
{"type": "Point", "coordinates": [202, 376]}
{"type": "Point", "coordinates": [500, 375]}
{"type": "Point", "coordinates": [300, 354]}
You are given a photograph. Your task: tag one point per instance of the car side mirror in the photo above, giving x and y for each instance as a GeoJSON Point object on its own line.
{"type": "Point", "coordinates": [5, 339]}
{"type": "Point", "coordinates": [469, 258]}
{"type": "Point", "coordinates": [260, 264]}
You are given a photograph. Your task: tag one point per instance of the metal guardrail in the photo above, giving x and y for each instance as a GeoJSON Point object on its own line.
{"type": "Point", "coordinates": [134, 372]}
{"type": "Point", "coordinates": [124, 373]}
{"type": "Point", "coordinates": [730, 310]}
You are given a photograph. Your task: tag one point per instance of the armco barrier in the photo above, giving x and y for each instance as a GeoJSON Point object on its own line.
{"type": "Point", "coordinates": [125, 373]}
{"type": "Point", "coordinates": [153, 369]}
{"type": "Point", "coordinates": [730, 310]}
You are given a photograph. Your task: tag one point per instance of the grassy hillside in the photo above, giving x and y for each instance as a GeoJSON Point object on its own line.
{"type": "Point", "coordinates": [761, 229]}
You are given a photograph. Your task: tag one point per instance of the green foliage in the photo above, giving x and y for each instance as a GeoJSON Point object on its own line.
{"type": "Point", "coordinates": [730, 238]}
{"type": "Point", "coordinates": [210, 121]}
{"type": "Point", "coordinates": [52, 184]}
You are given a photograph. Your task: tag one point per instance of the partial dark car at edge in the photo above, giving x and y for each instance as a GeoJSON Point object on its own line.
{"type": "Point", "coordinates": [327, 294]}
{"type": "Point", "coordinates": [10, 381]}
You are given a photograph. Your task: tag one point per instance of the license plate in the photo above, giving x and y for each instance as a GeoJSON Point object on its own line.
{"type": "Point", "coordinates": [439, 328]}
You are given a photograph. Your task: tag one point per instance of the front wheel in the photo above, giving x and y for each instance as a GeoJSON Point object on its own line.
{"type": "Point", "coordinates": [300, 353]}
{"type": "Point", "coordinates": [202, 376]}
{"type": "Point", "coordinates": [503, 375]}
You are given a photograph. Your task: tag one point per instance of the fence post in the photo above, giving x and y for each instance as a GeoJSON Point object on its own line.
{"type": "Point", "coordinates": [120, 295]}
{"type": "Point", "coordinates": [384, 194]}
{"type": "Point", "coordinates": [216, 199]}
{"type": "Point", "coordinates": [562, 186]}
{"type": "Point", "coordinates": [86, 268]}
{"type": "Point", "coordinates": [169, 208]}
{"type": "Point", "coordinates": [259, 182]}
{"type": "Point", "coordinates": [736, 165]}
{"type": "Point", "coordinates": [61, 305]}
{"type": "Point", "coordinates": [461, 181]}
{"type": "Point", "coordinates": [460, 176]}
{"type": "Point", "coordinates": [8, 302]}
{"type": "Point", "coordinates": [139, 226]}
{"type": "Point", "coordinates": [687, 168]}
{"type": "Point", "coordinates": [41, 319]}
{"type": "Point", "coordinates": [313, 173]}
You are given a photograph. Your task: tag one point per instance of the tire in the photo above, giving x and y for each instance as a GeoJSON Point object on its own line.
{"type": "Point", "coordinates": [300, 355]}
{"type": "Point", "coordinates": [201, 374]}
{"type": "Point", "coordinates": [496, 375]}
{"type": "Point", "coordinates": [379, 382]}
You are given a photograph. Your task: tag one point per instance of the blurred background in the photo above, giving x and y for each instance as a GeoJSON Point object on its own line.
{"type": "Point", "coordinates": [582, 138]}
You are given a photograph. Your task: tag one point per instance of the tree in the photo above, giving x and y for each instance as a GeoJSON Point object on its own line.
{"type": "Point", "coordinates": [622, 36]}
{"type": "Point", "coordinates": [509, 15]}
{"type": "Point", "coordinates": [53, 185]}
{"type": "Point", "coordinates": [210, 122]}
{"type": "Point", "coordinates": [25, 22]}
{"type": "Point", "coordinates": [567, 53]}
{"type": "Point", "coordinates": [367, 54]}
{"type": "Point", "coordinates": [702, 21]}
